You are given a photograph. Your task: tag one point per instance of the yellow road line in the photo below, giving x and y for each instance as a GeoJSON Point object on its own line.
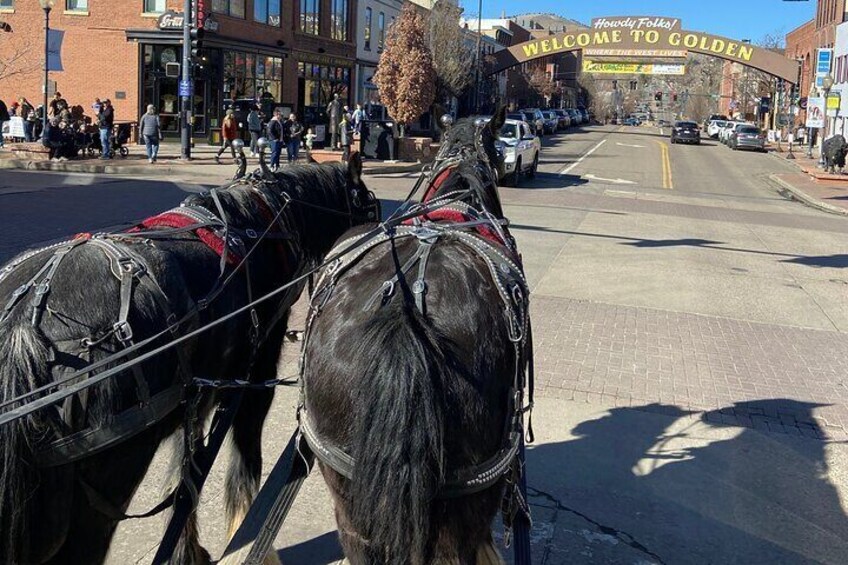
{"type": "Point", "coordinates": [667, 180]}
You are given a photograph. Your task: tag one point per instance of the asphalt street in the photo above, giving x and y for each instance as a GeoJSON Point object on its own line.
{"type": "Point", "coordinates": [691, 329]}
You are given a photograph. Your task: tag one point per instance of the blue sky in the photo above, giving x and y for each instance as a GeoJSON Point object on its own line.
{"type": "Point", "coordinates": [739, 19]}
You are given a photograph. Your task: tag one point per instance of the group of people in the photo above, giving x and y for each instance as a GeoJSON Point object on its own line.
{"type": "Point", "coordinates": [59, 135]}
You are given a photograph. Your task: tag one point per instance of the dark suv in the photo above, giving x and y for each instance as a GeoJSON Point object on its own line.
{"type": "Point", "coordinates": [686, 132]}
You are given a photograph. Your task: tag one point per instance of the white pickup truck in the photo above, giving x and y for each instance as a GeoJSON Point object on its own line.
{"type": "Point", "coordinates": [520, 148]}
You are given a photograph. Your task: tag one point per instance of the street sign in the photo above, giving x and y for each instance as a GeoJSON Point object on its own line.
{"type": "Point", "coordinates": [815, 112]}
{"type": "Point", "coordinates": [833, 100]}
{"type": "Point", "coordinates": [185, 88]}
{"type": "Point", "coordinates": [824, 58]}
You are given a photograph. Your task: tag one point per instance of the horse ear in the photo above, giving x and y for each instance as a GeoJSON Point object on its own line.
{"type": "Point", "coordinates": [354, 167]}
{"type": "Point", "coordinates": [498, 120]}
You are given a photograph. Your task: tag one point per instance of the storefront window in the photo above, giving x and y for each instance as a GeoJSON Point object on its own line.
{"type": "Point", "coordinates": [10, 4]}
{"type": "Point", "coordinates": [248, 75]}
{"type": "Point", "coordinates": [338, 17]}
{"type": "Point", "coordinates": [320, 83]}
{"type": "Point", "coordinates": [76, 5]}
{"type": "Point", "coordinates": [234, 8]}
{"type": "Point", "coordinates": [310, 14]}
{"type": "Point", "coordinates": [381, 31]}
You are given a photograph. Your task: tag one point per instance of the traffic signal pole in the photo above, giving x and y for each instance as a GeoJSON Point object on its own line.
{"type": "Point", "coordinates": [185, 98]}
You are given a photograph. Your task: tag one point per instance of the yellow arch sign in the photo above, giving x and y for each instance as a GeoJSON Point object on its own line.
{"type": "Point", "coordinates": [646, 35]}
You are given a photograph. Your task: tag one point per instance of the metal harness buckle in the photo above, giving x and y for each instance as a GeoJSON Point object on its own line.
{"type": "Point", "coordinates": [123, 331]}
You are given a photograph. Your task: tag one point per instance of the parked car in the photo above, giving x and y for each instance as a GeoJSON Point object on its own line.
{"type": "Point", "coordinates": [730, 130]}
{"type": "Point", "coordinates": [520, 148]}
{"type": "Point", "coordinates": [563, 117]}
{"type": "Point", "coordinates": [724, 133]}
{"type": "Point", "coordinates": [714, 127]}
{"type": "Point", "coordinates": [585, 113]}
{"type": "Point", "coordinates": [534, 117]}
{"type": "Point", "coordinates": [686, 132]}
{"type": "Point", "coordinates": [632, 121]}
{"type": "Point", "coordinates": [720, 117]}
{"type": "Point", "coordinates": [576, 117]}
{"type": "Point", "coordinates": [551, 122]}
{"type": "Point", "coordinates": [746, 136]}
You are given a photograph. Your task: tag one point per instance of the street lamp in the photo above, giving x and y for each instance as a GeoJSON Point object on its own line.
{"type": "Point", "coordinates": [46, 5]}
{"type": "Point", "coordinates": [827, 84]}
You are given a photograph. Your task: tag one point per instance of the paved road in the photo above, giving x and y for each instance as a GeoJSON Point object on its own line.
{"type": "Point", "coordinates": [691, 355]}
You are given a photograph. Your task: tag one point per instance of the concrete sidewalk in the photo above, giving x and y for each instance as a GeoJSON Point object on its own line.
{"type": "Point", "coordinates": [169, 163]}
{"type": "Point", "coordinates": [812, 186]}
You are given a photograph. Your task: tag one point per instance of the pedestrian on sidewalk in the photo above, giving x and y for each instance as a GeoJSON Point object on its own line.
{"type": "Point", "coordinates": [151, 132]}
{"type": "Point", "coordinates": [4, 117]}
{"type": "Point", "coordinates": [29, 117]}
{"type": "Point", "coordinates": [105, 121]}
{"type": "Point", "coordinates": [358, 117]}
{"type": "Point", "coordinates": [292, 134]}
{"type": "Point", "coordinates": [254, 126]}
{"type": "Point", "coordinates": [275, 136]}
{"type": "Point", "coordinates": [229, 133]}
{"type": "Point", "coordinates": [346, 134]}
{"type": "Point", "coordinates": [309, 140]}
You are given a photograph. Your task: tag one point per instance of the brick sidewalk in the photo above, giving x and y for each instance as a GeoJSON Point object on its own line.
{"type": "Point", "coordinates": [831, 196]}
{"type": "Point", "coordinates": [785, 379]}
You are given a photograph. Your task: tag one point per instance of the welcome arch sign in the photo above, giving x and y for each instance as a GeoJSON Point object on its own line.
{"type": "Point", "coordinates": [646, 36]}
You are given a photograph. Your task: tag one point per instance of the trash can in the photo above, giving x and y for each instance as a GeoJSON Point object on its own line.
{"type": "Point", "coordinates": [377, 140]}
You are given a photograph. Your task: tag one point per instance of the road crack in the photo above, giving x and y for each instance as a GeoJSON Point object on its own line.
{"type": "Point", "coordinates": [622, 536]}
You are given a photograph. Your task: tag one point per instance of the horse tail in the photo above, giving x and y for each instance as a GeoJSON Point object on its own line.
{"type": "Point", "coordinates": [398, 442]}
{"type": "Point", "coordinates": [24, 358]}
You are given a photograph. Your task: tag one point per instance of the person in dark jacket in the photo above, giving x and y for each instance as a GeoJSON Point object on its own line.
{"type": "Point", "coordinates": [52, 138]}
{"type": "Point", "coordinates": [30, 118]}
{"type": "Point", "coordinates": [275, 136]}
{"type": "Point", "coordinates": [292, 132]}
{"type": "Point", "coordinates": [105, 121]}
{"type": "Point", "coordinates": [4, 117]}
{"type": "Point", "coordinates": [151, 132]}
{"type": "Point", "coordinates": [254, 127]}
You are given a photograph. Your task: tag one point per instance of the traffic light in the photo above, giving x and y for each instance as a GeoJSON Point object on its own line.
{"type": "Point", "coordinates": [196, 44]}
{"type": "Point", "coordinates": [674, 97]}
{"type": "Point", "coordinates": [658, 96]}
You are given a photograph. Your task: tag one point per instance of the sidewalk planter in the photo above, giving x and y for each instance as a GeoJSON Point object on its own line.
{"type": "Point", "coordinates": [415, 149]}
{"type": "Point", "coordinates": [34, 151]}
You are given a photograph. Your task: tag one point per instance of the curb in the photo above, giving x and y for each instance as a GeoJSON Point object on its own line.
{"type": "Point", "coordinates": [161, 169]}
{"type": "Point", "coordinates": [111, 169]}
{"type": "Point", "coordinates": [803, 197]}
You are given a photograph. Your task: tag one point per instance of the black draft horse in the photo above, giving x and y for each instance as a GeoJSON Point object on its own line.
{"type": "Point", "coordinates": [411, 383]}
{"type": "Point", "coordinates": [58, 503]}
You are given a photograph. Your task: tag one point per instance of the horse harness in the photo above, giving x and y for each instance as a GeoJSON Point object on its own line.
{"type": "Point", "coordinates": [486, 238]}
{"type": "Point", "coordinates": [131, 270]}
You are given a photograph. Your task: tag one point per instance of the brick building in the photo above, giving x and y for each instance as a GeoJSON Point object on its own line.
{"type": "Point", "coordinates": [829, 14]}
{"type": "Point", "coordinates": [292, 55]}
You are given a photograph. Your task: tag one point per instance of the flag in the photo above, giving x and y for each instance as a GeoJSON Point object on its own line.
{"type": "Point", "coordinates": [54, 49]}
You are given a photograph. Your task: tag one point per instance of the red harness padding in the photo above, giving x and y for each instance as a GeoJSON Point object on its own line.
{"type": "Point", "coordinates": [448, 216]}
{"type": "Point", "coordinates": [445, 215]}
{"type": "Point", "coordinates": [176, 220]}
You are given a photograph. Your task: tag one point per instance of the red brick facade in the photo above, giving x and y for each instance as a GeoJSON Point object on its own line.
{"type": "Point", "coordinates": [103, 46]}
{"type": "Point", "coordinates": [801, 45]}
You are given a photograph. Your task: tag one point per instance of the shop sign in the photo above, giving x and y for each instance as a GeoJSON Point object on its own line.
{"type": "Point", "coordinates": [824, 57]}
{"type": "Point", "coordinates": [833, 100]}
{"type": "Point", "coordinates": [324, 60]}
{"type": "Point", "coordinates": [171, 20]}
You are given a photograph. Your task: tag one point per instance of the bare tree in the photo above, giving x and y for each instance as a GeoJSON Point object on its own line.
{"type": "Point", "coordinates": [453, 57]}
{"type": "Point", "coordinates": [540, 81]}
{"type": "Point", "coordinates": [18, 60]}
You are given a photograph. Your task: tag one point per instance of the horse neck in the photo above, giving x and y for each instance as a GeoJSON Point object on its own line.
{"type": "Point", "coordinates": [486, 196]}
{"type": "Point", "coordinates": [316, 193]}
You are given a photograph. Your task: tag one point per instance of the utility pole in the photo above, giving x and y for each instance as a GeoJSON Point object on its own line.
{"type": "Point", "coordinates": [477, 76]}
{"type": "Point", "coordinates": [186, 86]}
